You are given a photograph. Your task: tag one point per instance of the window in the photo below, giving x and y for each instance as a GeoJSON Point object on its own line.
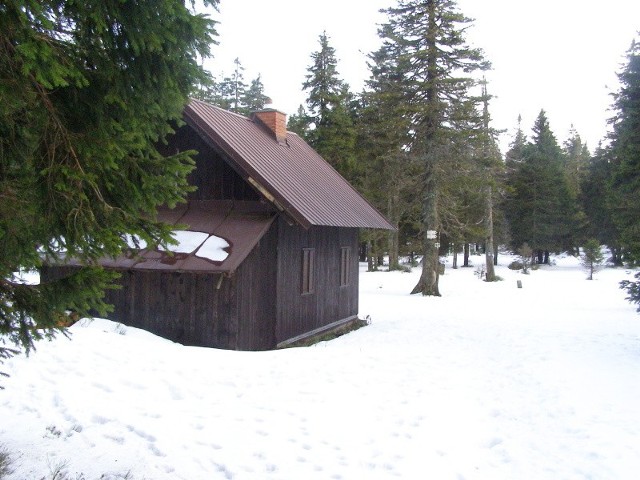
{"type": "Point", "coordinates": [308, 267]}
{"type": "Point", "coordinates": [345, 266]}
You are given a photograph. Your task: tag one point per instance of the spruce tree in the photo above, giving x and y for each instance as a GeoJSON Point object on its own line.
{"type": "Point", "coordinates": [300, 123]}
{"type": "Point", "coordinates": [592, 257]}
{"type": "Point", "coordinates": [541, 210]}
{"type": "Point", "coordinates": [515, 154]}
{"type": "Point", "coordinates": [491, 166]}
{"type": "Point", "coordinates": [87, 92]}
{"type": "Point", "coordinates": [427, 37]}
{"type": "Point", "coordinates": [333, 134]}
{"type": "Point", "coordinates": [625, 152]}
{"type": "Point", "coordinates": [253, 98]}
{"type": "Point", "coordinates": [598, 203]}
{"type": "Point", "coordinates": [386, 171]}
{"type": "Point", "coordinates": [236, 86]}
{"type": "Point", "coordinates": [576, 156]}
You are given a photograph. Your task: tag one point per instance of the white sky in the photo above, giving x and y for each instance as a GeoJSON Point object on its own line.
{"type": "Point", "coordinates": [559, 55]}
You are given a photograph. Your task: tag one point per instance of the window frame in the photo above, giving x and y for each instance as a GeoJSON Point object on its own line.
{"type": "Point", "coordinates": [345, 266]}
{"type": "Point", "coordinates": [307, 286]}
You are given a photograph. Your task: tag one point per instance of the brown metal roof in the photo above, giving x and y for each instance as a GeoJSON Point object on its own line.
{"type": "Point", "coordinates": [290, 174]}
{"type": "Point", "coordinates": [241, 224]}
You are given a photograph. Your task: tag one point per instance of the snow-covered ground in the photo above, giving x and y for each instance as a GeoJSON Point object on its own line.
{"type": "Point", "coordinates": [487, 382]}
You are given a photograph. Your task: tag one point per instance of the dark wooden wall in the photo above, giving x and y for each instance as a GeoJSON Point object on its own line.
{"type": "Point", "coordinates": [258, 306]}
{"type": "Point", "coordinates": [255, 284]}
{"type": "Point", "coordinates": [301, 313]}
{"type": "Point", "coordinates": [189, 309]}
{"type": "Point", "coordinates": [213, 177]}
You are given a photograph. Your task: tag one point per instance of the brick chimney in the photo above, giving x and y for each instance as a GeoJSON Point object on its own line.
{"type": "Point", "coordinates": [275, 121]}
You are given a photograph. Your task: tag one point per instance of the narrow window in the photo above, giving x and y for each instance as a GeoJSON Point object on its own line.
{"type": "Point", "coordinates": [345, 266]}
{"type": "Point", "coordinates": [308, 267]}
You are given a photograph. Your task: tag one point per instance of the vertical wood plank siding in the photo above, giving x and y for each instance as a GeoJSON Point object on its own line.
{"type": "Point", "coordinates": [256, 289]}
{"type": "Point", "coordinates": [261, 304]}
{"type": "Point", "coordinates": [297, 313]}
{"type": "Point", "coordinates": [213, 177]}
{"type": "Point", "coordinates": [187, 307]}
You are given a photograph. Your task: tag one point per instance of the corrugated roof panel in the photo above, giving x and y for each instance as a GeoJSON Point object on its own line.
{"type": "Point", "coordinates": [310, 189]}
{"type": "Point", "coordinates": [242, 225]}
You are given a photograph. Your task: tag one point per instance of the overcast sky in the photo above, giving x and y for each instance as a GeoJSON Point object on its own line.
{"type": "Point", "coordinates": [558, 55]}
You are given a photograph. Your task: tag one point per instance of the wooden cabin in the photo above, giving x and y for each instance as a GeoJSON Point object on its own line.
{"type": "Point", "coordinates": [270, 253]}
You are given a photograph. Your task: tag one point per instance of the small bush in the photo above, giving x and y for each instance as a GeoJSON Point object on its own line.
{"type": "Point", "coordinates": [515, 265]}
{"type": "Point", "coordinates": [633, 290]}
{"type": "Point", "coordinates": [5, 462]}
{"type": "Point", "coordinates": [525, 253]}
{"type": "Point", "coordinates": [592, 257]}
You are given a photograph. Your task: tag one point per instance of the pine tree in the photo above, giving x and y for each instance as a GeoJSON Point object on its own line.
{"type": "Point", "coordinates": [217, 91]}
{"type": "Point", "coordinates": [235, 86]}
{"type": "Point", "coordinates": [322, 82]}
{"type": "Point", "coordinates": [386, 170]}
{"type": "Point", "coordinates": [333, 134]}
{"type": "Point", "coordinates": [515, 155]}
{"type": "Point", "coordinates": [427, 38]}
{"type": "Point", "coordinates": [625, 154]}
{"type": "Point", "coordinates": [490, 170]}
{"type": "Point", "coordinates": [577, 156]}
{"type": "Point", "coordinates": [540, 209]}
{"type": "Point", "coordinates": [592, 257]}
{"type": "Point", "coordinates": [87, 92]}
{"type": "Point", "coordinates": [253, 98]}
{"type": "Point", "coordinates": [599, 205]}
{"type": "Point", "coordinates": [300, 123]}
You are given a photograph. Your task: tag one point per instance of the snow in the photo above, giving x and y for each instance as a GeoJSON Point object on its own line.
{"type": "Point", "coordinates": [207, 246]}
{"type": "Point", "coordinates": [134, 241]}
{"type": "Point", "coordinates": [186, 241]}
{"type": "Point", "coordinates": [487, 382]}
{"type": "Point", "coordinates": [213, 249]}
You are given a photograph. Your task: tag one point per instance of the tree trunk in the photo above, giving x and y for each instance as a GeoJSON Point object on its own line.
{"type": "Point", "coordinates": [370, 265]}
{"type": "Point", "coordinates": [455, 256]}
{"type": "Point", "coordinates": [392, 236]}
{"type": "Point", "coordinates": [616, 256]}
{"type": "Point", "coordinates": [540, 255]}
{"type": "Point", "coordinates": [490, 276]}
{"type": "Point", "coordinates": [428, 283]}
{"type": "Point", "coordinates": [495, 254]}
{"type": "Point", "coordinates": [546, 257]}
{"type": "Point", "coordinates": [465, 260]}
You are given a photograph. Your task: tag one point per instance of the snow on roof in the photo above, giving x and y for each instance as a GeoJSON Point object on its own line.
{"type": "Point", "coordinates": [200, 244]}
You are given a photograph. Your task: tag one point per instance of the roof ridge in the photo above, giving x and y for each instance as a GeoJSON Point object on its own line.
{"type": "Point", "coordinates": [297, 179]}
{"type": "Point", "coordinates": [224, 111]}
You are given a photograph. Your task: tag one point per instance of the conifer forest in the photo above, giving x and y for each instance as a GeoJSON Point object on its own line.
{"type": "Point", "coordinates": [418, 142]}
{"type": "Point", "coordinates": [87, 91]}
